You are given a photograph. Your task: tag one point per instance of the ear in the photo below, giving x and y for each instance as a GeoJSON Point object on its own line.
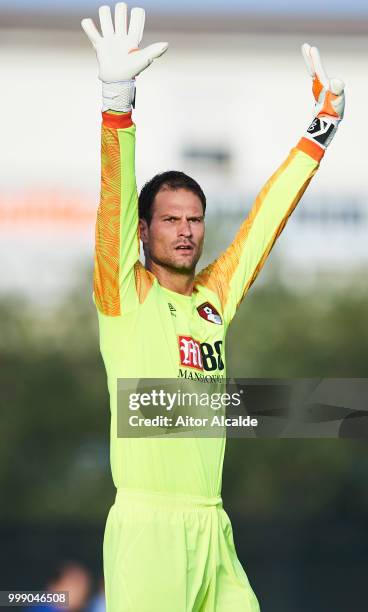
{"type": "Point", "coordinates": [143, 230]}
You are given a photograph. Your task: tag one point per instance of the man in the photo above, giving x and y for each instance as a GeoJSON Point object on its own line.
{"type": "Point", "coordinates": [168, 543]}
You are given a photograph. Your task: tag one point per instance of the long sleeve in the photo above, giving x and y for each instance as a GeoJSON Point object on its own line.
{"type": "Point", "coordinates": [117, 240]}
{"type": "Point", "coordinates": [231, 275]}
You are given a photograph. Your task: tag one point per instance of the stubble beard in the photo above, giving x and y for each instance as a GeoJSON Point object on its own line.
{"type": "Point", "coordinates": [171, 264]}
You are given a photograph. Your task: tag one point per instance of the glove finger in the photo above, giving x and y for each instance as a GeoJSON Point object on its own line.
{"type": "Point", "coordinates": [317, 85]}
{"type": "Point", "coordinates": [307, 58]}
{"type": "Point", "coordinates": [143, 58]}
{"type": "Point", "coordinates": [91, 31]}
{"type": "Point", "coordinates": [319, 68]}
{"type": "Point", "coordinates": [107, 27]}
{"type": "Point", "coordinates": [337, 86]}
{"type": "Point", "coordinates": [153, 51]}
{"type": "Point", "coordinates": [121, 11]}
{"type": "Point", "coordinates": [136, 26]}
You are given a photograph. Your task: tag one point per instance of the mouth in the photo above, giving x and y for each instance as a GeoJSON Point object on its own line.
{"type": "Point", "coordinates": [184, 248]}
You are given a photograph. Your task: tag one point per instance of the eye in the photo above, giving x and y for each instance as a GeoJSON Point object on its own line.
{"type": "Point", "coordinates": [170, 219]}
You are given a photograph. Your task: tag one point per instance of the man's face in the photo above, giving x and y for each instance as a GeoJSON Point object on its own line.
{"type": "Point", "coordinates": [174, 238]}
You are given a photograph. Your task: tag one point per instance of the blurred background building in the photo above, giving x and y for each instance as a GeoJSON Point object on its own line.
{"type": "Point", "coordinates": [225, 104]}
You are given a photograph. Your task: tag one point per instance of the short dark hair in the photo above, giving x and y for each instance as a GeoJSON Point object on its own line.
{"type": "Point", "coordinates": [170, 180]}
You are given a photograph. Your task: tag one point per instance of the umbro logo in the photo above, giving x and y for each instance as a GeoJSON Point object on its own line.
{"type": "Point", "coordinates": [172, 309]}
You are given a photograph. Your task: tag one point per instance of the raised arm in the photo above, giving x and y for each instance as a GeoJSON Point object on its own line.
{"type": "Point", "coordinates": [117, 241]}
{"type": "Point", "coordinates": [231, 275]}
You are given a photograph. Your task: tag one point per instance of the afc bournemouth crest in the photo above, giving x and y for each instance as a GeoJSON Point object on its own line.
{"type": "Point", "coordinates": [209, 313]}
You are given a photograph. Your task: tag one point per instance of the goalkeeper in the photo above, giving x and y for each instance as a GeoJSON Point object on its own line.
{"type": "Point", "coordinates": [168, 544]}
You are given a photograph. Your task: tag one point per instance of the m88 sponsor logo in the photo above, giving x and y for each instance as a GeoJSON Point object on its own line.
{"type": "Point", "coordinates": [200, 355]}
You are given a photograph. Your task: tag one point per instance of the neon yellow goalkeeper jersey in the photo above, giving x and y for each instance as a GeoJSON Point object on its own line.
{"type": "Point", "coordinates": [147, 331]}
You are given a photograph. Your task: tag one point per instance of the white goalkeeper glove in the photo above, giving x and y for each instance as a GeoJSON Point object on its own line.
{"type": "Point", "coordinates": [329, 96]}
{"type": "Point", "coordinates": [119, 58]}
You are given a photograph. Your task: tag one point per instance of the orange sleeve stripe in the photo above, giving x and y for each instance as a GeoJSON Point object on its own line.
{"type": "Point", "coordinates": [106, 270]}
{"type": "Point", "coordinates": [274, 238]}
{"type": "Point", "coordinates": [117, 121]}
{"type": "Point", "coordinates": [227, 263]}
{"type": "Point", "coordinates": [143, 281]}
{"type": "Point", "coordinates": [311, 148]}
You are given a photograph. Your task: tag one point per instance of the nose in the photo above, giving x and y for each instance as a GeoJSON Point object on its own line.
{"type": "Point", "coordinates": [185, 228]}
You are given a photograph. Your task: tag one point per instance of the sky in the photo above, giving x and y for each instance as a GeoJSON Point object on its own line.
{"type": "Point", "coordinates": [334, 8]}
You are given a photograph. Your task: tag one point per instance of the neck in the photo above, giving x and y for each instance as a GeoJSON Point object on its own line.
{"type": "Point", "coordinates": [171, 279]}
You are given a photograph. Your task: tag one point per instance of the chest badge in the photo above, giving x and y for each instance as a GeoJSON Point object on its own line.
{"type": "Point", "coordinates": [209, 313]}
